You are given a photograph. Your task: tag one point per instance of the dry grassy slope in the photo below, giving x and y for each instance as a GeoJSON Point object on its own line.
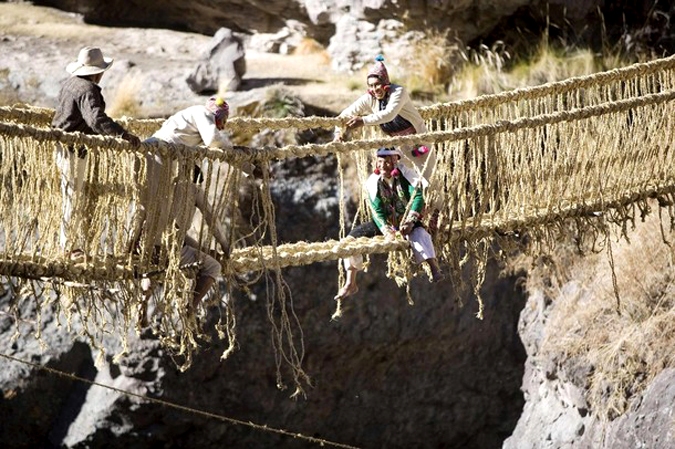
{"type": "Point", "coordinates": [37, 43]}
{"type": "Point", "coordinates": [593, 355]}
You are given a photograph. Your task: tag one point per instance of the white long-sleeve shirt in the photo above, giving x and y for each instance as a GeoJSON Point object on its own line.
{"type": "Point", "coordinates": [192, 126]}
{"type": "Point", "coordinates": [196, 126]}
{"type": "Point", "coordinates": [399, 103]}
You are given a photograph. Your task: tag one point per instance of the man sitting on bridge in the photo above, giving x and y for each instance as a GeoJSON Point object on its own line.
{"type": "Point", "coordinates": [390, 189]}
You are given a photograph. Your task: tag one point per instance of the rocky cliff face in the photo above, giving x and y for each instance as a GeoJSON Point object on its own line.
{"type": "Point", "coordinates": [470, 18]}
{"type": "Point", "coordinates": [576, 395]}
{"type": "Point", "coordinates": [355, 31]}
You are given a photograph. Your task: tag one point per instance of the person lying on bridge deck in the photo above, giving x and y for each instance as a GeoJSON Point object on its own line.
{"type": "Point", "coordinates": [390, 188]}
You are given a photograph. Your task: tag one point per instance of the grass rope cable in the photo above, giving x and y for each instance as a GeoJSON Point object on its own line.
{"type": "Point", "coordinates": [260, 427]}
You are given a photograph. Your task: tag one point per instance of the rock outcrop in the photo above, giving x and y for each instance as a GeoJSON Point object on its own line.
{"type": "Point", "coordinates": [561, 410]}
{"type": "Point", "coordinates": [354, 29]}
{"type": "Point", "coordinates": [222, 67]}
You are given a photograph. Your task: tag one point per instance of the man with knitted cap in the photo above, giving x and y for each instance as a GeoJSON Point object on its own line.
{"type": "Point", "coordinates": [81, 108]}
{"type": "Point", "coordinates": [197, 125]}
{"type": "Point", "coordinates": [178, 193]}
{"type": "Point", "coordinates": [389, 106]}
{"type": "Point", "coordinates": [396, 205]}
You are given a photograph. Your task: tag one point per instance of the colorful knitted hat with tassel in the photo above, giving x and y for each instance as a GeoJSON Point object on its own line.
{"type": "Point", "coordinates": [219, 107]}
{"type": "Point", "coordinates": [379, 70]}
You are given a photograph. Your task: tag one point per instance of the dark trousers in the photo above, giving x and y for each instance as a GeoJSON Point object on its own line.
{"type": "Point", "coordinates": [368, 229]}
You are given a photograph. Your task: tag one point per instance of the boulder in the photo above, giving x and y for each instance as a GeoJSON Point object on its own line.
{"type": "Point", "coordinates": [223, 65]}
{"type": "Point", "coordinates": [284, 41]}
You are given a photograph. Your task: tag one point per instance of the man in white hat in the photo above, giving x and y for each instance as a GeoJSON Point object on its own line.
{"type": "Point", "coordinates": [81, 108]}
{"type": "Point", "coordinates": [391, 188]}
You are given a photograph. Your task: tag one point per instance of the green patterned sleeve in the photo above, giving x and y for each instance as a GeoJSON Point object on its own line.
{"type": "Point", "coordinates": [417, 198]}
{"type": "Point", "coordinates": [379, 215]}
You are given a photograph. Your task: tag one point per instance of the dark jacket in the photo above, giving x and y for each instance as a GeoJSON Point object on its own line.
{"type": "Point", "coordinates": [82, 108]}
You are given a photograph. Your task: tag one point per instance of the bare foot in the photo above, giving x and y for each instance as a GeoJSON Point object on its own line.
{"type": "Point", "coordinates": [346, 290]}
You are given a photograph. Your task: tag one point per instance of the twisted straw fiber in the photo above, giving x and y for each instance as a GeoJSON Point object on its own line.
{"type": "Point", "coordinates": [584, 153]}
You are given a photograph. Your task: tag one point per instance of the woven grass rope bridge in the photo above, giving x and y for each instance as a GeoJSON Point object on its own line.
{"type": "Point", "coordinates": [587, 153]}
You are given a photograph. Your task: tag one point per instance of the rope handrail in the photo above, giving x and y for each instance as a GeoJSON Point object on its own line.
{"type": "Point", "coordinates": [251, 259]}
{"type": "Point", "coordinates": [552, 88]}
{"type": "Point", "coordinates": [502, 126]}
{"type": "Point", "coordinates": [237, 124]}
{"type": "Point", "coordinates": [244, 154]}
{"type": "Point", "coordinates": [235, 155]}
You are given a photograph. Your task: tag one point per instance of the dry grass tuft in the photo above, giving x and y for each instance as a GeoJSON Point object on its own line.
{"type": "Point", "coordinates": [308, 46]}
{"type": "Point", "coordinates": [8, 95]}
{"type": "Point", "coordinates": [430, 64]}
{"type": "Point", "coordinates": [280, 103]}
{"type": "Point", "coordinates": [125, 101]}
{"type": "Point", "coordinates": [482, 71]}
{"type": "Point", "coordinates": [550, 65]}
{"type": "Point", "coordinates": [622, 352]}
{"type": "Point", "coordinates": [489, 70]}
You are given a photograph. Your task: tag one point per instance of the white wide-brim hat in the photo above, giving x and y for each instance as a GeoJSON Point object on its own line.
{"type": "Point", "coordinates": [90, 61]}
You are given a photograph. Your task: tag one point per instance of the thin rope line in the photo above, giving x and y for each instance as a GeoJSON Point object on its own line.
{"type": "Point", "coordinates": [182, 407]}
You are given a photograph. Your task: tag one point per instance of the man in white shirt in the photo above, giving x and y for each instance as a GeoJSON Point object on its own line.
{"type": "Point", "coordinates": [389, 106]}
{"type": "Point", "coordinates": [193, 126]}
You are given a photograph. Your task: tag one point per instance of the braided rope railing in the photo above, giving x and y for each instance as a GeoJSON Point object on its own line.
{"type": "Point", "coordinates": [598, 80]}
{"type": "Point", "coordinates": [306, 253]}
{"type": "Point", "coordinates": [483, 107]}
{"type": "Point", "coordinates": [237, 156]}
{"type": "Point", "coordinates": [241, 261]}
{"type": "Point", "coordinates": [462, 133]}
{"type": "Point", "coordinates": [241, 154]}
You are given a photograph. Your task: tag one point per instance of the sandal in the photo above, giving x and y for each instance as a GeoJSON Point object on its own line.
{"type": "Point", "coordinates": [346, 290]}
